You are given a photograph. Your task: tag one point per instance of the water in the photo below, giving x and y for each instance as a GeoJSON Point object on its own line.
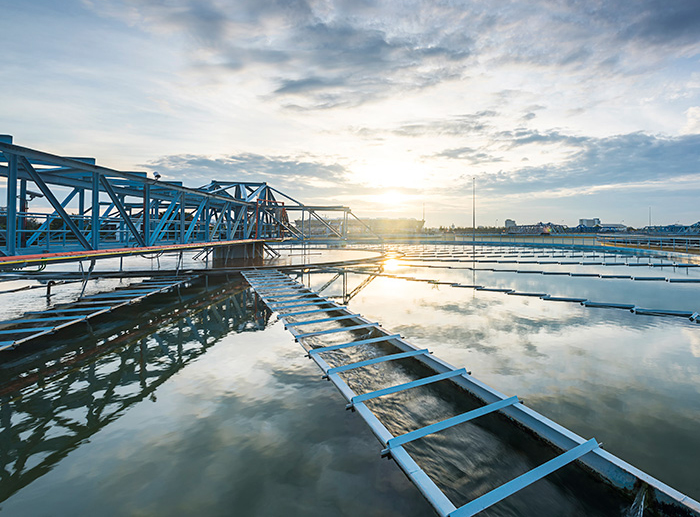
{"type": "Point", "coordinates": [215, 411]}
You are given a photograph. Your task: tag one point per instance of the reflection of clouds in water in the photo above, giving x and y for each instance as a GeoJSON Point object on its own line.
{"type": "Point", "coordinates": [247, 426]}
{"type": "Point", "coordinates": [640, 423]}
{"type": "Point", "coordinates": [530, 349]}
{"type": "Point", "coordinates": [473, 339]}
{"type": "Point", "coordinates": [693, 336]}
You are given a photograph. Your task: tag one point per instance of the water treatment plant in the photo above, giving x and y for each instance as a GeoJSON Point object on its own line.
{"type": "Point", "coordinates": [169, 350]}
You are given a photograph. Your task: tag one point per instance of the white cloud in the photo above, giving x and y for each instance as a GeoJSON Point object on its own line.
{"type": "Point", "coordinates": [694, 340]}
{"type": "Point", "coordinates": [692, 125]}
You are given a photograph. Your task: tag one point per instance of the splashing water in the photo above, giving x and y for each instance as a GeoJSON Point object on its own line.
{"type": "Point", "coordinates": [637, 508]}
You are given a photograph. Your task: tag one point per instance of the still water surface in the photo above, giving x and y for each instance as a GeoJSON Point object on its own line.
{"type": "Point", "coordinates": [215, 411]}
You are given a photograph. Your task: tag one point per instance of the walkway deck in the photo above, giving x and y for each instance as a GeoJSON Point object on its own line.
{"type": "Point", "coordinates": [37, 324]}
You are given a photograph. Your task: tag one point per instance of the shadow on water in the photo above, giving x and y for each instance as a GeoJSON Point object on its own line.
{"type": "Point", "coordinates": [57, 396]}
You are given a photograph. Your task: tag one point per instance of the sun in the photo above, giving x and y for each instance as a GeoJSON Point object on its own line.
{"type": "Point", "coordinates": [391, 199]}
{"type": "Point", "coordinates": [391, 265]}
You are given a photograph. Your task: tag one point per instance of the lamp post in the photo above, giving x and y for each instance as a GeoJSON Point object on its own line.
{"type": "Point", "coordinates": [473, 215]}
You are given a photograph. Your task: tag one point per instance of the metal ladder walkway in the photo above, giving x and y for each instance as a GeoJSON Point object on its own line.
{"type": "Point", "coordinates": [36, 324]}
{"type": "Point", "coordinates": [289, 299]}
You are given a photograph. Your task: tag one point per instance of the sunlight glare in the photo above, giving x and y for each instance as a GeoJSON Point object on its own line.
{"type": "Point", "coordinates": [391, 265]}
{"type": "Point", "coordinates": [391, 199]}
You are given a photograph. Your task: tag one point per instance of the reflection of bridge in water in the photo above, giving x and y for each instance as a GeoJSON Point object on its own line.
{"type": "Point", "coordinates": [57, 398]}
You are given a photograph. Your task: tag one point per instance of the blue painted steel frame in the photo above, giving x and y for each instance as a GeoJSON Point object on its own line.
{"type": "Point", "coordinates": [149, 212]}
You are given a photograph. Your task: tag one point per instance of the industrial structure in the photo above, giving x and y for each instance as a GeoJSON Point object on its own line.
{"type": "Point", "coordinates": [93, 208]}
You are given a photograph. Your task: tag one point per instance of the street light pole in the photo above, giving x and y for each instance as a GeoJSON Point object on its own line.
{"type": "Point", "coordinates": [473, 215]}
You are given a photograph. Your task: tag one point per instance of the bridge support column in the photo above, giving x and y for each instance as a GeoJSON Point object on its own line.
{"type": "Point", "coordinates": [245, 254]}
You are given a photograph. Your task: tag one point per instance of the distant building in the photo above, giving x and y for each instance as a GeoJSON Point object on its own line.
{"type": "Point", "coordinates": [589, 222]}
{"type": "Point", "coordinates": [510, 223]}
{"type": "Point", "coordinates": [538, 229]}
{"type": "Point", "coordinates": [598, 228]}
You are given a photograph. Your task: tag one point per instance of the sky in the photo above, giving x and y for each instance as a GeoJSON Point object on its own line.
{"type": "Point", "coordinates": [553, 110]}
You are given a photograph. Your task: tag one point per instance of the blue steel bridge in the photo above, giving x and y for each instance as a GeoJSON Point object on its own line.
{"type": "Point", "coordinates": [94, 209]}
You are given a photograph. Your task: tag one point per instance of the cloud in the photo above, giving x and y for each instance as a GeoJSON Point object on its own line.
{"type": "Point", "coordinates": [457, 125]}
{"type": "Point", "coordinates": [635, 160]}
{"type": "Point", "coordinates": [522, 137]}
{"type": "Point", "coordinates": [303, 176]}
{"type": "Point", "coordinates": [692, 125]}
{"type": "Point", "coordinates": [316, 54]}
{"type": "Point", "coordinates": [657, 22]}
{"type": "Point", "coordinates": [320, 54]}
{"type": "Point", "coordinates": [249, 165]}
{"type": "Point", "coordinates": [473, 156]}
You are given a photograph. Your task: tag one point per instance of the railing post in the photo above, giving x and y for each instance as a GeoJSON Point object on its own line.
{"type": "Point", "coordinates": [11, 222]}
{"type": "Point", "coordinates": [147, 214]}
{"type": "Point", "coordinates": [95, 210]}
{"type": "Point", "coordinates": [182, 218]}
{"type": "Point", "coordinates": [22, 214]}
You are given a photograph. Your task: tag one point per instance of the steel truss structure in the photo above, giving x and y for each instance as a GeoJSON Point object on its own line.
{"type": "Point", "coordinates": [98, 208]}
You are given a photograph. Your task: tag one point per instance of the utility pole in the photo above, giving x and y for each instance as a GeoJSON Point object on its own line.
{"type": "Point", "coordinates": [474, 216]}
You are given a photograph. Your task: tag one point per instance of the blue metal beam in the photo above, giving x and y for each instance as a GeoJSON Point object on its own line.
{"type": "Point", "coordinates": [406, 386]}
{"type": "Point", "coordinates": [195, 219]}
{"type": "Point", "coordinates": [323, 320]}
{"type": "Point", "coordinates": [54, 202]}
{"type": "Point", "coordinates": [336, 330]}
{"type": "Point", "coordinates": [377, 360]}
{"type": "Point", "coordinates": [308, 296]}
{"type": "Point", "coordinates": [450, 422]}
{"type": "Point", "coordinates": [507, 489]}
{"type": "Point", "coordinates": [164, 221]}
{"type": "Point", "coordinates": [330, 348]}
{"type": "Point", "coordinates": [46, 224]}
{"type": "Point", "coordinates": [120, 207]}
{"type": "Point", "coordinates": [220, 218]}
{"type": "Point", "coordinates": [317, 302]}
{"type": "Point", "coordinates": [11, 223]}
{"type": "Point", "coordinates": [95, 210]}
{"type": "Point", "coordinates": [290, 314]}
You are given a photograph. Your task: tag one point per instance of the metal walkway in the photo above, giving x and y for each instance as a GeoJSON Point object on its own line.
{"type": "Point", "coordinates": [291, 299]}
{"type": "Point", "coordinates": [36, 324]}
{"type": "Point", "coordinates": [450, 259]}
{"type": "Point", "coordinates": [692, 315]}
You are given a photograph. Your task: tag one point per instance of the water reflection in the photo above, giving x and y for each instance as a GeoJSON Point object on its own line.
{"type": "Point", "coordinates": [56, 398]}
{"type": "Point", "coordinates": [247, 428]}
{"type": "Point", "coordinates": [251, 430]}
